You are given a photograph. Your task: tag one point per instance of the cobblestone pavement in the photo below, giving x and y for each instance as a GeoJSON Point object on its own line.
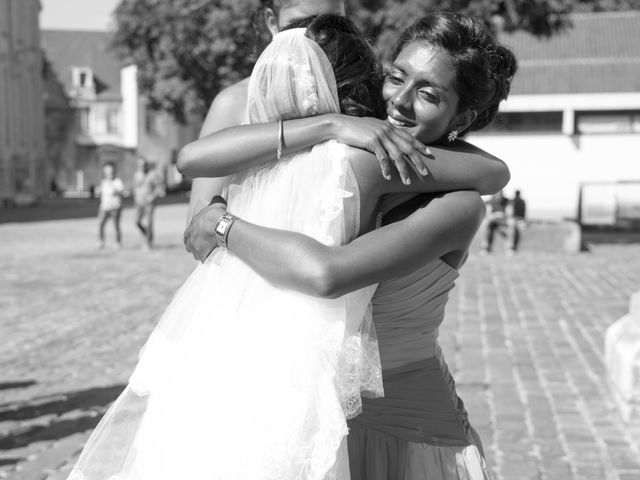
{"type": "Point", "coordinates": [523, 335]}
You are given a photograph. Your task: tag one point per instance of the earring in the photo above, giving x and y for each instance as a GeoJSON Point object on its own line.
{"type": "Point", "coordinates": [452, 135]}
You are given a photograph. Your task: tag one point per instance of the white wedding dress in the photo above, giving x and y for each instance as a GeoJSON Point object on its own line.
{"type": "Point", "coordinates": [240, 379]}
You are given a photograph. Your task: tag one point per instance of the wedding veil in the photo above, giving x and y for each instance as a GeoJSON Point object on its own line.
{"type": "Point", "coordinates": [240, 379]}
{"type": "Point", "coordinates": [300, 84]}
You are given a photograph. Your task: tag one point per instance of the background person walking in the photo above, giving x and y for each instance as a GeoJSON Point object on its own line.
{"type": "Point", "coordinates": [111, 192]}
{"type": "Point", "coordinates": [516, 216]}
{"type": "Point", "coordinates": [147, 187]}
{"type": "Point", "coordinates": [496, 220]}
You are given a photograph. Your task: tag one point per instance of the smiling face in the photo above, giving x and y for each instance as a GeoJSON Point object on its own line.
{"type": "Point", "coordinates": [420, 95]}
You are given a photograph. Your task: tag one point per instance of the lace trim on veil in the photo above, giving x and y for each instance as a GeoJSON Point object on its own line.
{"type": "Point", "coordinates": [359, 370]}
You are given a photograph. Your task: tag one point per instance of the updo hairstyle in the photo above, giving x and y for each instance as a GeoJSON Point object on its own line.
{"type": "Point", "coordinates": [484, 68]}
{"type": "Point", "coordinates": [356, 67]}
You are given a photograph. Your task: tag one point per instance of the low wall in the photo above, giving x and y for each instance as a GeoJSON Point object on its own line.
{"type": "Point", "coordinates": [548, 168]}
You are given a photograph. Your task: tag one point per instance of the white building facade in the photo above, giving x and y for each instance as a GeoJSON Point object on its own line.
{"type": "Point", "coordinates": [112, 121]}
{"type": "Point", "coordinates": [22, 135]}
{"type": "Point", "coordinates": [573, 115]}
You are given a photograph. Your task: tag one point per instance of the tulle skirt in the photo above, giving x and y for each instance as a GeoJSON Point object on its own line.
{"type": "Point", "coordinates": [385, 457]}
{"type": "Point", "coordinates": [240, 379]}
{"type": "Point", "coordinates": [418, 431]}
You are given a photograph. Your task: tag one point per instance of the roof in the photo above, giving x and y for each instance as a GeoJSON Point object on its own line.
{"type": "Point", "coordinates": [66, 49]}
{"type": "Point", "coordinates": [600, 53]}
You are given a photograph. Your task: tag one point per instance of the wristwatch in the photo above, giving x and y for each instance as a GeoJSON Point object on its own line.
{"type": "Point", "coordinates": [223, 226]}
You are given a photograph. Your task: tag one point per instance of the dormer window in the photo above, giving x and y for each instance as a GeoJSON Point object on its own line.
{"type": "Point", "coordinates": [82, 77]}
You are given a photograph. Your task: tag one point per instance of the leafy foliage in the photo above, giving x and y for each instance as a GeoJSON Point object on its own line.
{"type": "Point", "coordinates": [188, 50]}
{"type": "Point", "coordinates": [59, 117]}
{"type": "Point", "coordinates": [606, 5]}
{"type": "Point", "coordinates": [386, 18]}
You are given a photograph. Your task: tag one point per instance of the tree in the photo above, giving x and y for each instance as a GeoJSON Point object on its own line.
{"type": "Point", "coordinates": [606, 5]}
{"type": "Point", "coordinates": [59, 118]}
{"type": "Point", "coordinates": [188, 50]}
{"type": "Point", "coordinates": [386, 18]}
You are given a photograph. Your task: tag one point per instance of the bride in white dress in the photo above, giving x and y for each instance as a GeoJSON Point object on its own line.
{"type": "Point", "coordinates": [240, 379]}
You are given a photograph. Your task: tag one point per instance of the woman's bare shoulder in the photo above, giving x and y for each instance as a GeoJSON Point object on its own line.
{"type": "Point", "coordinates": [234, 94]}
{"type": "Point", "coordinates": [458, 214]}
{"type": "Point", "coordinates": [227, 109]}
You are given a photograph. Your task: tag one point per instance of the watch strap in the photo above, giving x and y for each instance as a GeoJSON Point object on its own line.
{"type": "Point", "coordinates": [222, 229]}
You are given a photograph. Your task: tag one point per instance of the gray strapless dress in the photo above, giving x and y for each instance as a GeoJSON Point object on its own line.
{"type": "Point", "coordinates": [419, 429]}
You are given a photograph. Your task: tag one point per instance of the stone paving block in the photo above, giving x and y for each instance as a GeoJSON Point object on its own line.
{"type": "Point", "coordinates": [520, 470]}
{"type": "Point", "coordinates": [629, 475]}
{"type": "Point", "coordinates": [49, 461]}
{"type": "Point", "coordinates": [559, 472]}
{"type": "Point", "coordinates": [623, 459]}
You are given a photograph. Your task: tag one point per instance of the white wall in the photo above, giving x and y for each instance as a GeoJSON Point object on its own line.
{"type": "Point", "coordinates": [129, 82]}
{"type": "Point", "coordinates": [548, 168]}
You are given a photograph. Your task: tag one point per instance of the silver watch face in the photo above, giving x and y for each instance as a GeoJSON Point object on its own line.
{"type": "Point", "coordinates": [222, 226]}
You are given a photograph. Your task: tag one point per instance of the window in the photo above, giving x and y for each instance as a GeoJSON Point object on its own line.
{"type": "Point", "coordinates": [113, 119]}
{"type": "Point", "coordinates": [84, 119]}
{"type": "Point", "coordinates": [82, 77]}
{"type": "Point", "coordinates": [525, 122]}
{"type": "Point", "coordinates": [608, 122]}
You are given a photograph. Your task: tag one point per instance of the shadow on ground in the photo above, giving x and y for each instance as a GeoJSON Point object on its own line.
{"type": "Point", "coordinates": [61, 403]}
{"type": "Point", "coordinates": [55, 430]}
{"type": "Point", "coordinates": [100, 253]}
{"type": "Point", "coordinates": [82, 411]}
{"type": "Point", "coordinates": [13, 385]}
{"type": "Point", "coordinates": [66, 208]}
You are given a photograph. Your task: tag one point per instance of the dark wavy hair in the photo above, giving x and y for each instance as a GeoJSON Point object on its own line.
{"type": "Point", "coordinates": [484, 68]}
{"type": "Point", "coordinates": [356, 66]}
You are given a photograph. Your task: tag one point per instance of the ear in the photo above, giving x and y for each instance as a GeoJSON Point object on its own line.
{"type": "Point", "coordinates": [271, 20]}
{"type": "Point", "coordinates": [461, 121]}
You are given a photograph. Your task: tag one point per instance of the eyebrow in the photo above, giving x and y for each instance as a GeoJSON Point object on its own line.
{"type": "Point", "coordinates": [432, 84]}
